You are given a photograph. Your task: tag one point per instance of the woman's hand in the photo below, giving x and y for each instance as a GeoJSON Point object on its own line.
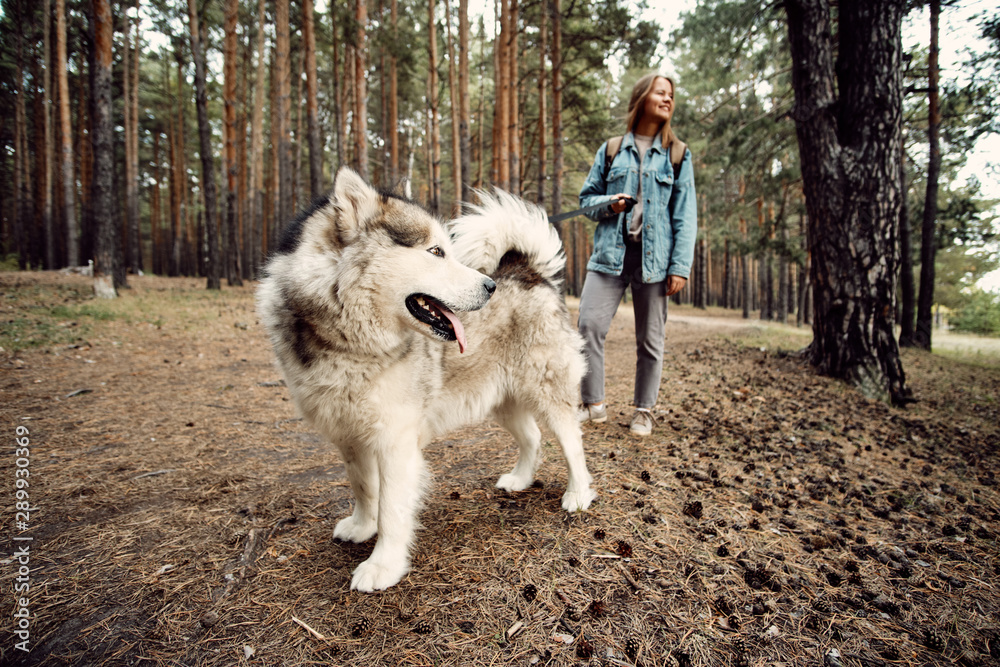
{"type": "Point", "coordinates": [619, 205]}
{"type": "Point", "coordinates": [675, 284]}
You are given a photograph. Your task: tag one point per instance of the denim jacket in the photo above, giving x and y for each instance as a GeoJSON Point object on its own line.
{"type": "Point", "coordinates": [670, 212]}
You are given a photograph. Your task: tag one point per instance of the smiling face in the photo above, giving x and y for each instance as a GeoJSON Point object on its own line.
{"type": "Point", "coordinates": [651, 106]}
{"type": "Point", "coordinates": [659, 105]}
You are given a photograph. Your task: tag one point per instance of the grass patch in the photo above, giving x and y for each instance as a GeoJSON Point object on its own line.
{"type": "Point", "coordinates": [773, 337]}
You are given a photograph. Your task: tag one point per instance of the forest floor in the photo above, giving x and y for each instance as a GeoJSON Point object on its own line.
{"type": "Point", "coordinates": [181, 513]}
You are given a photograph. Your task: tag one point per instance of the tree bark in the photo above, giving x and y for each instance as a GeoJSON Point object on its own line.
{"type": "Point", "coordinates": [928, 236]}
{"type": "Point", "coordinates": [849, 151]}
{"type": "Point", "coordinates": [214, 268]}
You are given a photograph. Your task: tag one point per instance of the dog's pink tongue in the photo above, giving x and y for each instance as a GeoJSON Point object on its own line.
{"type": "Point", "coordinates": [457, 326]}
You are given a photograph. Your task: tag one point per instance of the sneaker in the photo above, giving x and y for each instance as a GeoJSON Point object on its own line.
{"type": "Point", "coordinates": [642, 422]}
{"type": "Point", "coordinates": [592, 413]}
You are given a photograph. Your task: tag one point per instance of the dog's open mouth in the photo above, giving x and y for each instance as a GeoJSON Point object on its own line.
{"type": "Point", "coordinates": [438, 317]}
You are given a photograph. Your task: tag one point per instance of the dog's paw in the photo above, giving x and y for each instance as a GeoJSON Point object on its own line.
{"type": "Point", "coordinates": [578, 501]}
{"type": "Point", "coordinates": [371, 576]}
{"type": "Point", "coordinates": [512, 482]}
{"type": "Point", "coordinates": [353, 530]}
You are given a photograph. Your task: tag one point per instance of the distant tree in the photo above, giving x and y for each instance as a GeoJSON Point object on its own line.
{"type": "Point", "coordinates": [68, 180]}
{"type": "Point", "coordinates": [434, 133]}
{"type": "Point", "coordinates": [46, 152]}
{"type": "Point", "coordinates": [234, 270]}
{"type": "Point", "coordinates": [281, 115]}
{"type": "Point", "coordinates": [464, 130]}
{"type": "Point", "coordinates": [257, 213]}
{"type": "Point", "coordinates": [361, 88]}
{"type": "Point", "coordinates": [315, 142]}
{"type": "Point", "coordinates": [109, 271]}
{"type": "Point", "coordinates": [213, 268]}
{"type": "Point", "coordinates": [928, 245]}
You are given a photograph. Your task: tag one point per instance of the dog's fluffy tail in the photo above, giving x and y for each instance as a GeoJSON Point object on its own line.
{"type": "Point", "coordinates": [502, 223]}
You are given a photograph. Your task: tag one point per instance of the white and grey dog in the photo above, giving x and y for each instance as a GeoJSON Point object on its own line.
{"type": "Point", "coordinates": [361, 300]}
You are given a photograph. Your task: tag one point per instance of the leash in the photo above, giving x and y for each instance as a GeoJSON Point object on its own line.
{"type": "Point", "coordinates": [606, 206]}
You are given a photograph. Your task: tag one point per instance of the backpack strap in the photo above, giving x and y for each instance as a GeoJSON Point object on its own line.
{"type": "Point", "coordinates": [614, 143]}
{"type": "Point", "coordinates": [677, 150]}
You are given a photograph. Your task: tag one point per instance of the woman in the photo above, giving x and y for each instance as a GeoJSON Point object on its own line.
{"type": "Point", "coordinates": [649, 246]}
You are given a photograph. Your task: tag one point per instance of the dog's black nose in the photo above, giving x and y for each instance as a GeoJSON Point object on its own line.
{"type": "Point", "coordinates": [490, 287]}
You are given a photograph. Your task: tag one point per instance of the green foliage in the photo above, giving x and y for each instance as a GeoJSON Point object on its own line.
{"type": "Point", "coordinates": [980, 314]}
{"type": "Point", "coordinates": [957, 270]}
{"type": "Point", "coordinates": [734, 100]}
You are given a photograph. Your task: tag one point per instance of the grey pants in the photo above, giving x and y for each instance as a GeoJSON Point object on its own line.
{"type": "Point", "coordinates": [598, 304]}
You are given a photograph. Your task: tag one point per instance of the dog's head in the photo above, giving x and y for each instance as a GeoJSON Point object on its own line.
{"type": "Point", "coordinates": [394, 263]}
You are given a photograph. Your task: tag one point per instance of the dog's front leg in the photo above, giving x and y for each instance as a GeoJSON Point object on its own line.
{"type": "Point", "coordinates": [402, 475]}
{"type": "Point", "coordinates": [566, 428]}
{"type": "Point", "coordinates": [362, 471]}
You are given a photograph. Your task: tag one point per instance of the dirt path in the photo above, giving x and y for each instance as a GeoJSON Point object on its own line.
{"type": "Point", "coordinates": [181, 513]}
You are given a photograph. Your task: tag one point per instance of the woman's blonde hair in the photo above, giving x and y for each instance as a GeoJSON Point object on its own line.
{"type": "Point", "coordinates": [637, 102]}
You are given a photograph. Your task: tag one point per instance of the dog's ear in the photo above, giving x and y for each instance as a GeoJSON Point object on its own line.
{"type": "Point", "coordinates": [356, 201]}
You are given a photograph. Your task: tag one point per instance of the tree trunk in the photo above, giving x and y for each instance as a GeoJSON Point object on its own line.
{"type": "Point", "coordinates": [465, 115]}
{"type": "Point", "coordinates": [134, 137]}
{"type": "Point", "coordinates": [557, 142]}
{"type": "Point", "coordinates": [338, 97]}
{"type": "Point", "coordinates": [850, 169]}
{"type": "Point", "coordinates": [513, 116]}
{"type": "Point", "coordinates": [456, 153]}
{"type": "Point", "coordinates": [180, 175]}
{"type": "Point", "coordinates": [434, 136]}
{"type": "Point", "coordinates": [257, 213]}
{"type": "Point", "coordinates": [907, 293]}
{"type": "Point", "coordinates": [543, 38]}
{"type": "Point", "coordinates": [502, 118]}
{"type": "Point", "coordinates": [297, 199]}
{"type": "Point", "coordinates": [361, 90]}
{"type": "Point", "coordinates": [131, 94]}
{"type": "Point", "coordinates": [928, 236]}
{"type": "Point", "coordinates": [21, 188]}
{"type": "Point", "coordinates": [47, 150]}
{"type": "Point", "coordinates": [394, 176]}
{"type": "Point", "coordinates": [108, 251]}
{"type": "Point", "coordinates": [214, 267]}
{"type": "Point", "coordinates": [315, 142]}
{"type": "Point", "coordinates": [282, 114]}
{"type": "Point", "coordinates": [234, 271]}
{"type": "Point", "coordinates": [156, 211]}
{"type": "Point", "coordinates": [783, 282]}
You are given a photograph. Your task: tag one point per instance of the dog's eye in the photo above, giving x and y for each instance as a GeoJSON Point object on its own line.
{"type": "Point", "coordinates": [436, 251]}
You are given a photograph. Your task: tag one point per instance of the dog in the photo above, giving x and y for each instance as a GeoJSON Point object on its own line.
{"type": "Point", "coordinates": [390, 331]}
